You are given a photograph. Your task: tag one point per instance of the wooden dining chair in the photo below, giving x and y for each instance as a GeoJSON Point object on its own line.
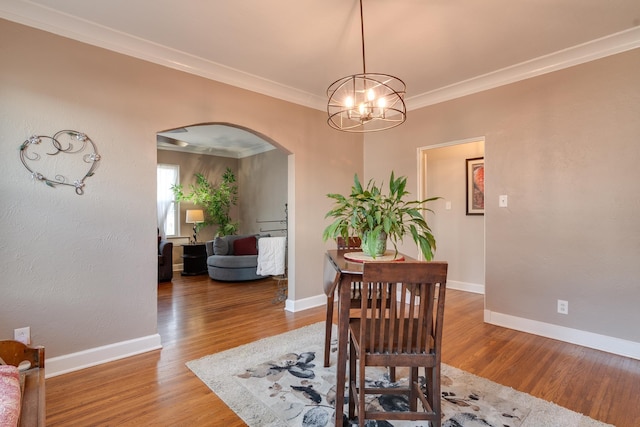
{"type": "Point", "coordinates": [352, 242]}
{"type": "Point", "coordinates": [407, 334]}
{"type": "Point", "coordinates": [15, 353]}
{"type": "Point", "coordinates": [330, 284]}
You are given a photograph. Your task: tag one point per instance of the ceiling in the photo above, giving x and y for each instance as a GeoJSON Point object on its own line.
{"type": "Point", "coordinates": [294, 49]}
{"type": "Point", "coordinates": [215, 140]}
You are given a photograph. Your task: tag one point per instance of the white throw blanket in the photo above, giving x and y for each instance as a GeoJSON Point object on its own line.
{"type": "Point", "coordinates": [271, 254]}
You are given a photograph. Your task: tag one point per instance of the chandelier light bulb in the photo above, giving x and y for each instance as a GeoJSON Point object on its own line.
{"type": "Point", "coordinates": [382, 103]}
{"type": "Point", "coordinates": [348, 102]}
{"type": "Point", "coordinates": [371, 95]}
{"type": "Point", "coordinates": [361, 109]}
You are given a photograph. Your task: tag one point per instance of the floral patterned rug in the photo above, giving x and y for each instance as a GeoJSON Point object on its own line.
{"type": "Point", "coordinates": [280, 381]}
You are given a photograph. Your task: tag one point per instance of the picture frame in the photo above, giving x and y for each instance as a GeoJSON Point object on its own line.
{"type": "Point", "coordinates": [475, 186]}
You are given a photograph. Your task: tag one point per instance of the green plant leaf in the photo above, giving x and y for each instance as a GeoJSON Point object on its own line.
{"type": "Point", "coordinates": [216, 200]}
{"type": "Point", "coordinates": [369, 211]}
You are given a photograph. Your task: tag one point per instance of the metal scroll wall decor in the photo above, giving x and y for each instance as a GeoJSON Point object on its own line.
{"type": "Point", "coordinates": [78, 143]}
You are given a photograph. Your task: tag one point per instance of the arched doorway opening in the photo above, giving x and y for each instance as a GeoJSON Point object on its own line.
{"type": "Point", "coordinates": [260, 166]}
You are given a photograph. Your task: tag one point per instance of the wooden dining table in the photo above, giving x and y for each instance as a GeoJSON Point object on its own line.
{"type": "Point", "coordinates": [344, 273]}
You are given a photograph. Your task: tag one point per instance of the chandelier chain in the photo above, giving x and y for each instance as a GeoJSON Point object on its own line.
{"type": "Point", "coordinates": [364, 63]}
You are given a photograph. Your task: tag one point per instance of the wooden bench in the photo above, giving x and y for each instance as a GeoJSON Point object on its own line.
{"type": "Point", "coordinates": [15, 353]}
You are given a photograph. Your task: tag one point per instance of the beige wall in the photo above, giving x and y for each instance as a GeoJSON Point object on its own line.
{"type": "Point", "coordinates": [564, 147]}
{"type": "Point", "coordinates": [81, 270]}
{"type": "Point", "coordinates": [263, 192]}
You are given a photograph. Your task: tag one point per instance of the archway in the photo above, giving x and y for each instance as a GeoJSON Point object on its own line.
{"type": "Point", "coordinates": [260, 164]}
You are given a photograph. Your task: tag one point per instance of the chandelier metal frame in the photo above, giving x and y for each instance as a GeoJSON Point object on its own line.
{"type": "Point", "coordinates": [366, 102]}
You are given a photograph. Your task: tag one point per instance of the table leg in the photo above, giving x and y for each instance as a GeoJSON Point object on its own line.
{"type": "Point", "coordinates": [344, 304]}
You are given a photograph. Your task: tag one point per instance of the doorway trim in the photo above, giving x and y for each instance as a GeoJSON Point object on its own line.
{"type": "Point", "coordinates": [421, 156]}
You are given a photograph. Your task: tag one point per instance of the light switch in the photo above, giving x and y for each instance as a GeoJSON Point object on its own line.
{"type": "Point", "coordinates": [447, 206]}
{"type": "Point", "coordinates": [502, 201]}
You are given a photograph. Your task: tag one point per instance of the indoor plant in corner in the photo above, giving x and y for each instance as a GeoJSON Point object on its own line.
{"type": "Point", "coordinates": [374, 217]}
{"type": "Point", "coordinates": [216, 201]}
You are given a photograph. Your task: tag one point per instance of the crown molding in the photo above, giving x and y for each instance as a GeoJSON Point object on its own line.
{"type": "Point", "coordinates": [33, 15]}
{"type": "Point", "coordinates": [62, 24]}
{"type": "Point", "coordinates": [576, 55]}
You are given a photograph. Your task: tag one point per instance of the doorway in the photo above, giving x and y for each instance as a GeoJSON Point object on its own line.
{"type": "Point", "coordinates": [459, 236]}
{"type": "Point", "coordinates": [260, 166]}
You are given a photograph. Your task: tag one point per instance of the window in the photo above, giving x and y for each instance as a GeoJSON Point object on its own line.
{"type": "Point", "coordinates": [168, 212]}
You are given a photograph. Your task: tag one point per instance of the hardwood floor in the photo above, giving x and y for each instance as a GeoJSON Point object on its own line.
{"type": "Point", "coordinates": [197, 317]}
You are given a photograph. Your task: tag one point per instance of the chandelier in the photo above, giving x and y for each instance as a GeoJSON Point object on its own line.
{"type": "Point", "coordinates": [366, 102]}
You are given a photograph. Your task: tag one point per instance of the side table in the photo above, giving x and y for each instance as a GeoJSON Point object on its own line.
{"type": "Point", "coordinates": [194, 259]}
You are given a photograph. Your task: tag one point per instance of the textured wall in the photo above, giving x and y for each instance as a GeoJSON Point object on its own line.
{"type": "Point", "coordinates": [81, 270]}
{"type": "Point", "coordinates": [263, 188]}
{"type": "Point", "coordinates": [564, 148]}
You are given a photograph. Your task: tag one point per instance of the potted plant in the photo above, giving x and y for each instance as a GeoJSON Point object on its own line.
{"type": "Point", "coordinates": [374, 217]}
{"type": "Point", "coordinates": [216, 201]}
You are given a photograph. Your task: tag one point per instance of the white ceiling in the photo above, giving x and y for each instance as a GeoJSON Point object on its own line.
{"type": "Point", "coordinates": [294, 49]}
{"type": "Point", "coordinates": [214, 140]}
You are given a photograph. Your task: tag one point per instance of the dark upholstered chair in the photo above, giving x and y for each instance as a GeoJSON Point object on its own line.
{"type": "Point", "coordinates": [402, 328]}
{"type": "Point", "coordinates": [165, 260]}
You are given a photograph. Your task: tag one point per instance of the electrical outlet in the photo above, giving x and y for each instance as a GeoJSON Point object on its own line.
{"type": "Point", "coordinates": [563, 306]}
{"type": "Point", "coordinates": [23, 335]}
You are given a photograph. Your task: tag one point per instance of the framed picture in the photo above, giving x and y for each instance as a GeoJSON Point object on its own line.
{"type": "Point", "coordinates": [475, 186]}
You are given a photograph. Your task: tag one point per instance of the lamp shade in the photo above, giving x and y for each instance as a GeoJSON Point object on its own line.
{"type": "Point", "coordinates": [194, 216]}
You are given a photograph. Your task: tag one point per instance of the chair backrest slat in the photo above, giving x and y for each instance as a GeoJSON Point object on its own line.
{"type": "Point", "coordinates": [409, 297]}
{"type": "Point", "coordinates": [393, 310]}
{"type": "Point", "coordinates": [352, 243]}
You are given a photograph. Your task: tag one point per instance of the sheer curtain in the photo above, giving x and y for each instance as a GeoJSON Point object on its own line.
{"type": "Point", "coordinates": [167, 175]}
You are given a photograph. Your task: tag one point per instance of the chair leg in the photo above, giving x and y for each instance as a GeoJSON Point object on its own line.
{"type": "Point", "coordinates": [428, 386]}
{"type": "Point", "coordinates": [433, 395]}
{"type": "Point", "coordinates": [327, 332]}
{"type": "Point", "coordinates": [413, 398]}
{"type": "Point", "coordinates": [361, 393]}
{"type": "Point", "coordinates": [392, 374]}
{"type": "Point", "coordinates": [352, 381]}
{"type": "Point", "coordinates": [437, 401]}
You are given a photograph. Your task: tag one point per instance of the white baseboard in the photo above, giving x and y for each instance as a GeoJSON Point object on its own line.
{"type": "Point", "coordinates": [574, 336]}
{"type": "Point", "coordinates": [95, 356]}
{"type": "Point", "coordinates": [475, 288]}
{"type": "Point", "coordinates": [306, 303]}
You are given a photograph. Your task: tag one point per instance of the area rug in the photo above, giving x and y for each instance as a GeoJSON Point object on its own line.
{"type": "Point", "coordinates": [280, 382]}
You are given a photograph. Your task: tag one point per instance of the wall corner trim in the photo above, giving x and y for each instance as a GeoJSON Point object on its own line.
{"type": "Point", "coordinates": [96, 356]}
{"type": "Point", "coordinates": [606, 343]}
